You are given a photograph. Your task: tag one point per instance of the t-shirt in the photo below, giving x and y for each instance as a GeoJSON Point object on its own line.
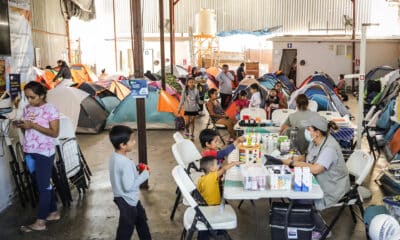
{"type": "Point", "coordinates": [219, 154]}
{"type": "Point", "coordinates": [225, 82]}
{"type": "Point", "coordinates": [255, 100]}
{"type": "Point", "coordinates": [334, 181]}
{"type": "Point", "coordinates": [208, 186]}
{"type": "Point", "coordinates": [242, 103]}
{"type": "Point", "coordinates": [34, 141]}
{"type": "Point", "coordinates": [125, 179]}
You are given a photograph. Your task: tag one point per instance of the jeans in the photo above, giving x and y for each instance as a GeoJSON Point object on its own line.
{"type": "Point", "coordinates": [129, 217]}
{"type": "Point", "coordinates": [43, 171]}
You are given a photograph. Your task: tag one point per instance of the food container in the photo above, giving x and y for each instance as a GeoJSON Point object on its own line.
{"type": "Point", "coordinates": [279, 177]}
{"type": "Point", "coordinates": [254, 177]}
{"type": "Point", "coordinates": [250, 153]}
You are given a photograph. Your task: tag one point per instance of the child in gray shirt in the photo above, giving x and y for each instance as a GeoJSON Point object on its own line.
{"type": "Point", "coordinates": [125, 181]}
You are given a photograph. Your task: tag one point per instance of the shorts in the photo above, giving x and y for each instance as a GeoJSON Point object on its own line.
{"type": "Point", "coordinates": [191, 113]}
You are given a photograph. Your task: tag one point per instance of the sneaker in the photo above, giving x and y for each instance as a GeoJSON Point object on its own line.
{"type": "Point", "coordinates": [317, 235]}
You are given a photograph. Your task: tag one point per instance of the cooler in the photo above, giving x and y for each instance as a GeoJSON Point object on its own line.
{"type": "Point", "coordinates": [300, 221]}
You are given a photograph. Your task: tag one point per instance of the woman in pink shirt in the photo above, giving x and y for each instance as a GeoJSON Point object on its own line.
{"type": "Point", "coordinates": [40, 125]}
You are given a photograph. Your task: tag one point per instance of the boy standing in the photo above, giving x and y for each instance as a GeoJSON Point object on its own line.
{"type": "Point", "coordinates": [125, 181]}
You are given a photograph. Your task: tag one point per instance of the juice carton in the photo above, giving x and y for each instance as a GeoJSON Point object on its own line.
{"type": "Point", "coordinates": [298, 173]}
{"type": "Point", "coordinates": [307, 180]}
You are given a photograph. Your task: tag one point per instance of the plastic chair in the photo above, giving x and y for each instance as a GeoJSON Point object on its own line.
{"type": "Point", "coordinates": [187, 156]}
{"type": "Point", "coordinates": [312, 105]}
{"type": "Point", "coordinates": [280, 115]}
{"type": "Point", "coordinates": [329, 114]}
{"type": "Point", "coordinates": [202, 218]}
{"type": "Point", "coordinates": [359, 164]}
{"type": "Point", "coordinates": [254, 113]}
{"type": "Point", "coordinates": [178, 137]}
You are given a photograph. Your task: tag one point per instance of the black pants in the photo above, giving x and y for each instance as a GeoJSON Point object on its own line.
{"type": "Point", "coordinates": [225, 100]}
{"type": "Point", "coordinates": [201, 105]}
{"type": "Point", "coordinates": [129, 217]}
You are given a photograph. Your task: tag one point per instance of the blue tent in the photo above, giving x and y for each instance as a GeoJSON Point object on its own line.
{"type": "Point", "coordinates": [270, 79]}
{"type": "Point", "coordinates": [322, 78]}
{"type": "Point", "coordinates": [126, 111]}
{"type": "Point", "coordinates": [321, 93]}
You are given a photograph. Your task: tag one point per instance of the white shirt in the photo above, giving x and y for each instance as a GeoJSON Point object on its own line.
{"type": "Point", "coordinates": [255, 100]}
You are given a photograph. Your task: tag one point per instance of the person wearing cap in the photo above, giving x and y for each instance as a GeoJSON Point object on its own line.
{"type": "Point", "coordinates": [326, 163]}
{"type": "Point", "coordinates": [295, 120]}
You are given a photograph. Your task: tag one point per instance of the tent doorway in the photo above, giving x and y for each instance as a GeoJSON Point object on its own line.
{"type": "Point", "coordinates": [288, 64]}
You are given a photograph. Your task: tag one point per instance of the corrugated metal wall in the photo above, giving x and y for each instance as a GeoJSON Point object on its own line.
{"type": "Point", "coordinates": [48, 30]}
{"type": "Point", "coordinates": [249, 15]}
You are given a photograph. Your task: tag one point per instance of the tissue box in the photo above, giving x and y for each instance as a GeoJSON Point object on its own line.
{"type": "Point", "coordinates": [254, 177]}
{"type": "Point", "coordinates": [279, 178]}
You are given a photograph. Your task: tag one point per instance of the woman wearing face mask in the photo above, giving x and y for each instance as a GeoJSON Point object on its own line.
{"type": "Point", "coordinates": [325, 160]}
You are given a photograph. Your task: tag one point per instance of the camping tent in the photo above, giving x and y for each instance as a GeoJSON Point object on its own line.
{"type": "Point", "coordinates": [105, 97]}
{"type": "Point", "coordinates": [86, 113]}
{"type": "Point", "coordinates": [45, 77]}
{"type": "Point", "coordinates": [126, 111]}
{"type": "Point", "coordinates": [321, 93]}
{"type": "Point", "coordinates": [81, 73]}
{"type": "Point", "coordinates": [320, 77]}
{"type": "Point", "coordinates": [119, 89]}
{"type": "Point", "coordinates": [269, 80]}
{"type": "Point", "coordinates": [377, 73]}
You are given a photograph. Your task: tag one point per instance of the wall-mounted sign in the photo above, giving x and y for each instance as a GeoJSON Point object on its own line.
{"type": "Point", "coordinates": [15, 85]}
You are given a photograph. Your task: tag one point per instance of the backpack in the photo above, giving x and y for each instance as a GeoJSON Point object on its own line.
{"type": "Point", "coordinates": [179, 123]}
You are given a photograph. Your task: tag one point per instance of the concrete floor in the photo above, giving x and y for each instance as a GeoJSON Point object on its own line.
{"type": "Point", "coordinates": [95, 216]}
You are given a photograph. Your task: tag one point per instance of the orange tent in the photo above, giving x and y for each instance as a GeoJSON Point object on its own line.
{"type": "Point", "coordinates": [45, 77]}
{"type": "Point", "coordinates": [81, 73]}
{"type": "Point", "coordinates": [213, 71]}
{"type": "Point", "coordinates": [168, 103]}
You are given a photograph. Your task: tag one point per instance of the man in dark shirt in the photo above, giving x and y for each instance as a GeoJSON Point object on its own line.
{"type": "Point", "coordinates": [240, 72]}
{"type": "Point", "coordinates": [64, 72]}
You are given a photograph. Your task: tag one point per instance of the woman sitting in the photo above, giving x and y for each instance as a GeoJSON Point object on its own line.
{"type": "Point", "coordinates": [217, 114]}
{"type": "Point", "coordinates": [326, 163]}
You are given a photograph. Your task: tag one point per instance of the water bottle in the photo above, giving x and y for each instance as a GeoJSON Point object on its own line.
{"type": "Point", "coordinates": [293, 137]}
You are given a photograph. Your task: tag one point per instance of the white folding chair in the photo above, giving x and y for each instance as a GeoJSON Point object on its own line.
{"type": "Point", "coordinates": [254, 113]}
{"type": "Point", "coordinates": [312, 105]}
{"type": "Point", "coordinates": [178, 137]}
{"type": "Point", "coordinates": [280, 115]}
{"type": "Point", "coordinates": [187, 156]}
{"type": "Point", "coordinates": [202, 218]}
{"type": "Point", "coordinates": [359, 164]}
{"type": "Point", "coordinates": [329, 115]}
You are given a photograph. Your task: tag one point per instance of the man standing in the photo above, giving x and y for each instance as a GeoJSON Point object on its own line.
{"type": "Point", "coordinates": [225, 79]}
{"type": "Point", "coordinates": [240, 72]}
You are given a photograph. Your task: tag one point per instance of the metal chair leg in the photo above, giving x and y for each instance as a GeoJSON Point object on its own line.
{"type": "Point", "coordinates": [330, 226]}
{"type": "Point", "coordinates": [183, 235]}
{"type": "Point", "coordinates": [353, 215]}
{"type": "Point", "coordinates": [240, 204]}
{"type": "Point", "coordinates": [178, 197]}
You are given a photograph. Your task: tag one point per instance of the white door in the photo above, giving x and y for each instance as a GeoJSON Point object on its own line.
{"type": "Point", "coordinates": [148, 60]}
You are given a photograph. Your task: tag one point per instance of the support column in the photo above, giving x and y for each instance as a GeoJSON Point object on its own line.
{"type": "Point", "coordinates": [137, 47]}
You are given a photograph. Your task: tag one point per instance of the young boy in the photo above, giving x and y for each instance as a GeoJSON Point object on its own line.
{"type": "Point", "coordinates": [125, 181]}
{"type": "Point", "coordinates": [210, 142]}
{"type": "Point", "coordinates": [208, 184]}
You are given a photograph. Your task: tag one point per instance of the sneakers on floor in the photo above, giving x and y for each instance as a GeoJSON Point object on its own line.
{"type": "Point", "coordinates": [317, 235]}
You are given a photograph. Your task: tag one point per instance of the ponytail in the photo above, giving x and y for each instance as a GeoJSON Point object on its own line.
{"type": "Point", "coordinates": [332, 126]}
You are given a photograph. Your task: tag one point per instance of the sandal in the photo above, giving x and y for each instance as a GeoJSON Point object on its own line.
{"type": "Point", "coordinates": [56, 218]}
{"type": "Point", "coordinates": [29, 228]}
